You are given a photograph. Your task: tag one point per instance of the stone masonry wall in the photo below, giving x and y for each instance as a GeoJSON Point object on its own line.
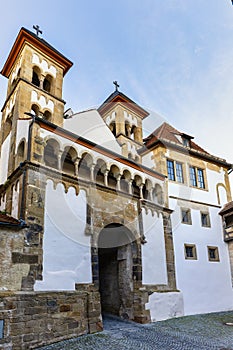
{"type": "Point", "coordinates": [31, 319]}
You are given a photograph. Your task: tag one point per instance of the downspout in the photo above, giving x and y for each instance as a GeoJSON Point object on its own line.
{"type": "Point", "coordinates": [22, 207]}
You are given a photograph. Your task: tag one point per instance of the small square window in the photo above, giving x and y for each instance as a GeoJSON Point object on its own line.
{"type": "Point", "coordinates": [186, 216]}
{"type": "Point", "coordinates": [190, 251]}
{"type": "Point", "coordinates": [213, 254]}
{"type": "Point", "coordinates": [205, 219]}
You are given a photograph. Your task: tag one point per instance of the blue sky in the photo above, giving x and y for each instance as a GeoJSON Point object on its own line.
{"type": "Point", "coordinates": [173, 57]}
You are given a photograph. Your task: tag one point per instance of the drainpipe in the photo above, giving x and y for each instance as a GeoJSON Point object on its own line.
{"type": "Point", "coordinates": [22, 207]}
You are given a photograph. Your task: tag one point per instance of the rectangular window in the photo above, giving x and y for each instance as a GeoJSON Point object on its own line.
{"type": "Point", "coordinates": [193, 179]}
{"type": "Point", "coordinates": [196, 177]}
{"type": "Point", "coordinates": [179, 172]}
{"type": "Point", "coordinates": [205, 219]}
{"type": "Point", "coordinates": [170, 170]}
{"type": "Point", "coordinates": [186, 216]}
{"type": "Point", "coordinates": [190, 251]}
{"type": "Point", "coordinates": [213, 254]}
{"type": "Point", "coordinates": [175, 171]}
{"type": "Point", "coordinates": [1, 328]}
{"type": "Point", "coordinates": [200, 178]}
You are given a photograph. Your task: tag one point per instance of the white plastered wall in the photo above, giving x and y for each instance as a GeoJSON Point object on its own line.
{"type": "Point", "coordinates": [91, 126]}
{"type": "Point", "coordinates": [66, 247]}
{"type": "Point", "coordinates": [154, 270]}
{"type": "Point", "coordinates": [22, 131]}
{"type": "Point", "coordinates": [15, 201]}
{"type": "Point", "coordinates": [206, 285]}
{"type": "Point", "coordinates": [4, 159]}
{"type": "Point", "coordinates": [165, 305]}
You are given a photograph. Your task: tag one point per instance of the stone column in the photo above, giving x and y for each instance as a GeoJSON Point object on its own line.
{"type": "Point", "coordinates": [150, 194]}
{"type": "Point", "coordinates": [59, 165]}
{"type": "Point", "coordinates": [106, 178]}
{"type": "Point", "coordinates": [92, 172]}
{"type": "Point", "coordinates": [141, 193]}
{"type": "Point", "coordinates": [130, 186]}
{"type": "Point", "coordinates": [169, 246]}
{"type": "Point", "coordinates": [138, 134]}
{"type": "Point", "coordinates": [76, 164]}
{"type": "Point", "coordinates": [118, 186]}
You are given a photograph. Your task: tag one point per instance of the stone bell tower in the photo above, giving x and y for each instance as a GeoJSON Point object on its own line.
{"type": "Point", "coordinates": [35, 72]}
{"type": "Point", "coordinates": [124, 118]}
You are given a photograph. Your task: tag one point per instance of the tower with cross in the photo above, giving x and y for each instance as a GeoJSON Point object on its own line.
{"type": "Point", "coordinates": [124, 118]}
{"type": "Point", "coordinates": [37, 29]}
{"type": "Point", "coordinates": [35, 74]}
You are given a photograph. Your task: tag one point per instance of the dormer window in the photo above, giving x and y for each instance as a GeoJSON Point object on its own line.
{"type": "Point", "coordinates": [186, 142]}
{"type": "Point", "coordinates": [186, 139]}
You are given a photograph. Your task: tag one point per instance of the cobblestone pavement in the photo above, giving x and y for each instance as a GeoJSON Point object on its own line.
{"type": "Point", "coordinates": [199, 332]}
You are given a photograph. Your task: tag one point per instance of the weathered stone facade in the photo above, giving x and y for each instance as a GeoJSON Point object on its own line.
{"type": "Point", "coordinates": [31, 319]}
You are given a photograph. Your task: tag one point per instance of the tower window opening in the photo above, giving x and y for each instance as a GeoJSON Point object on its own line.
{"type": "Point", "coordinates": [47, 83]}
{"type": "Point", "coordinates": [112, 127]}
{"type": "Point", "coordinates": [35, 77]}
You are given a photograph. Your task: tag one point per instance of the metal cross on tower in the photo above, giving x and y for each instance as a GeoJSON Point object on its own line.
{"type": "Point", "coordinates": [37, 29]}
{"type": "Point", "coordinates": [116, 84]}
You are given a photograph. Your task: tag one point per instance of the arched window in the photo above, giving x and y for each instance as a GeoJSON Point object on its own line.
{"type": "Point", "coordinates": [112, 177]}
{"type": "Point", "coordinates": [67, 160]}
{"type": "Point", "coordinates": [146, 190]}
{"type": "Point", "coordinates": [47, 83]}
{"type": "Point", "coordinates": [157, 194]}
{"type": "Point", "coordinates": [47, 116]}
{"type": "Point", "coordinates": [35, 110]}
{"type": "Point", "coordinates": [20, 153]}
{"type": "Point", "coordinates": [67, 164]}
{"type": "Point", "coordinates": [35, 76]}
{"type": "Point", "coordinates": [84, 167]}
{"type": "Point", "coordinates": [127, 129]}
{"type": "Point", "coordinates": [50, 153]}
{"type": "Point", "coordinates": [125, 179]}
{"type": "Point", "coordinates": [7, 127]}
{"type": "Point", "coordinates": [112, 127]}
{"type": "Point", "coordinates": [136, 186]}
{"type": "Point", "coordinates": [99, 171]}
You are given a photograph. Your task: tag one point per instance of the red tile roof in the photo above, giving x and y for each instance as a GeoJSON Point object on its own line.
{"type": "Point", "coordinates": [168, 134]}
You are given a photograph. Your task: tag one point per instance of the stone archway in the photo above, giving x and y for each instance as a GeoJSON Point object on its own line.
{"type": "Point", "coordinates": [116, 270]}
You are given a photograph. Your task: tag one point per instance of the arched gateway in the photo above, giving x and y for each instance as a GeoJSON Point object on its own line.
{"type": "Point", "coordinates": [117, 252]}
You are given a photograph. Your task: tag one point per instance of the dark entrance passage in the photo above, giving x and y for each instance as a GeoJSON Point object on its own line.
{"type": "Point", "coordinates": [116, 270]}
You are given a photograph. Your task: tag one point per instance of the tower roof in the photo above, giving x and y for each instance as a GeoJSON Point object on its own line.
{"type": "Point", "coordinates": [118, 96]}
{"type": "Point", "coordinates": [26, 36]}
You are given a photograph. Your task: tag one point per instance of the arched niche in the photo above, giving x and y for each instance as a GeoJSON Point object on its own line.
{"type": "Point", "coordinates": [51, 153]}
{"type": "Point", "coordinates": [36, 76]}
